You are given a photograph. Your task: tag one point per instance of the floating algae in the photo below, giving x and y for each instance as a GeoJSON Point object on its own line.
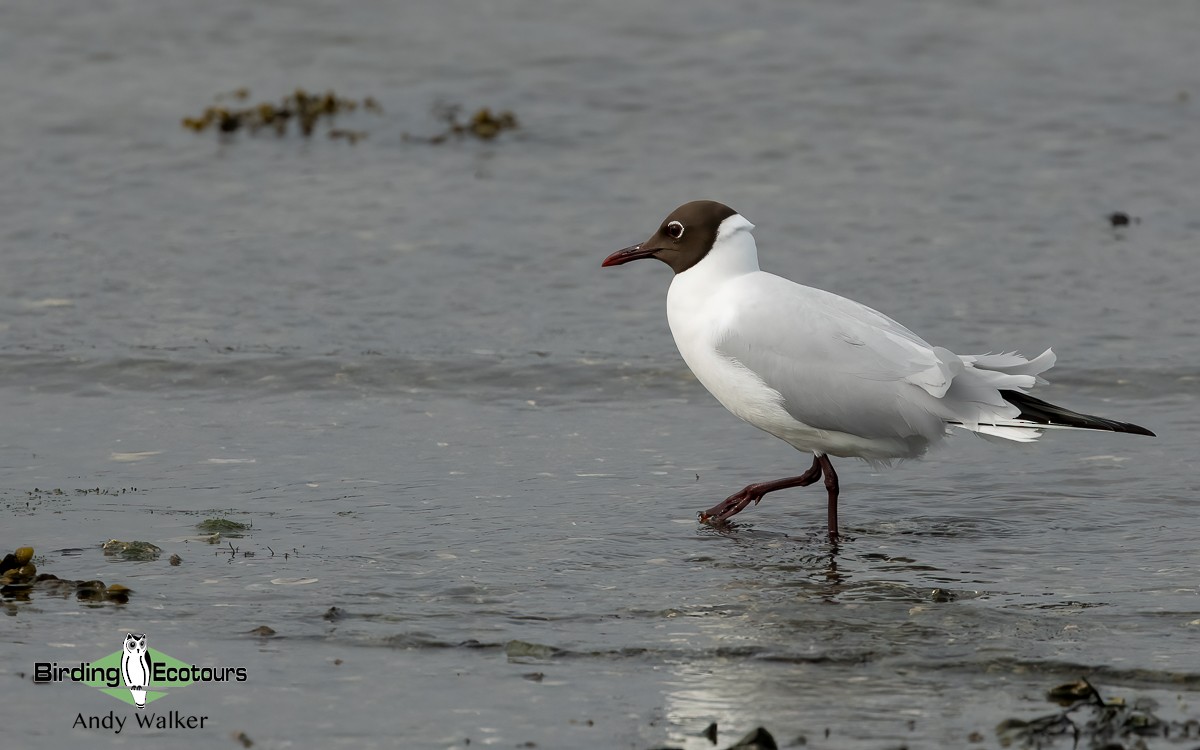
{"type": "Point", "coordinates": [309, 111]}
{"type": "Point", "coordinates": [19, 579]}
{"type": "Point", "coordinates": [483, 125]}
{"type": "Point", "coordinates": [1071, 693]}
{"type": "Point", "coordinates": [305, 109]}
{"type": "Point", "coordinates": [1090, 721]}
{"type": "Point", "coordinates": [517, 650]}
{"type": "Point", "coordinates": [39, 499]}
{"type": "Point", "coordinates": [138, 551]}
{"type": "Point", "coordinates": [118, 593]}
{"type": "Point", "coordinates": [223, 526]}
{"type": "Point", "coordinates": [17, 571]}
{"type": "Point", "coordinates": [21, 557]}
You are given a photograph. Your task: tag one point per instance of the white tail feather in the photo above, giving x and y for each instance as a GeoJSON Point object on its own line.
{"type": "Point", "coordinates": [974, 401]}
{"type": "Point", "coordinates": [1019, 433]}
{"type": "Point", "coordinates": [1011, 363]}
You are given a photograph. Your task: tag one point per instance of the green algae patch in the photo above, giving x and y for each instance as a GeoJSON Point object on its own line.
{"type": "Point", "coordinates": [224, 527]}
{"type": "Point", "coordinates": [518, 650]}
{"type": "Point", "coordinates": [134, 551]}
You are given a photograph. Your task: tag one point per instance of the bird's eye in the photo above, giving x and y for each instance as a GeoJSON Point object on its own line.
{"type": "Point", "coordinates": [675, 230]}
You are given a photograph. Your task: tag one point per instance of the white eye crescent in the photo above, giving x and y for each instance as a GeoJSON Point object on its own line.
{"type": "Point", "coordinates": [674, 230]}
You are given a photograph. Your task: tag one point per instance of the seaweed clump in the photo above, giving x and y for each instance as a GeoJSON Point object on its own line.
{"type": "Point", "coordinates": [1089, 721]}
{"type": "Point", "coordinates": [483, 125]}
{"type": "Point", "coordinates": [136, 551]}
{"type": "Point", "coordinates": [307, 110]}
{"type": "Point", "coordinates": [219, 526]}
{"type": "Point", "coordinates": [17, 566]}
{"type": "Point", "coordinates": [19, 578]}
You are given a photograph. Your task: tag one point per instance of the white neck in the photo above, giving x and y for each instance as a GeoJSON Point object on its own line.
{"type": "Point", "coordinates": [694, 308]}
{"type": "Point", "coordinates": [733, 253]}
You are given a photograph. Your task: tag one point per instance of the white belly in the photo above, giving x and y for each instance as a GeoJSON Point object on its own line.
{"type": "Point", "coordinates": [696, 323]}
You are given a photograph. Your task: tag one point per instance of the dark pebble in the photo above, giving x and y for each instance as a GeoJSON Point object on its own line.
{"type": "Point", "coordinates": [757, 739]}
{"type": "Point", "coordinates": [1122, 219]}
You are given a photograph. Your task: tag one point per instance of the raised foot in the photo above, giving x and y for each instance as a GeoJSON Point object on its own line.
{"type": "Point", "coordinates": [732, 505]}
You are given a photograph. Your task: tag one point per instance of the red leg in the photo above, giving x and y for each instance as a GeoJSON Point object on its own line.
{"type": "Point", "coordinates": [753, 493]}
{"type": "Point", "coordinates": [831, 486]}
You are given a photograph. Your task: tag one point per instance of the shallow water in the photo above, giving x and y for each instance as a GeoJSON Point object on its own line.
{"type": "Point", "coordinates": [404, 367]}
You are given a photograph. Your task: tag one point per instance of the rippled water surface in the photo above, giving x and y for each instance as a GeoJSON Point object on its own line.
{"type": "Point", "coordinates": [471, 459]}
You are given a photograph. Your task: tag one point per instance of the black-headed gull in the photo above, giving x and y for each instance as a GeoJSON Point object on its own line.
{"type": "Point", "coordinates": [822, 372]}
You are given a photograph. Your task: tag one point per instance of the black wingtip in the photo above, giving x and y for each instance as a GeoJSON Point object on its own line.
{"type": "Point", "coordinates": [1043, 412]}
{"type": "Point", "coordinates": [1134, 429]}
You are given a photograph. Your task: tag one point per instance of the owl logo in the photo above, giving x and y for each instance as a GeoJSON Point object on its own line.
{"type": "Point", "coordinates": [135, 666]}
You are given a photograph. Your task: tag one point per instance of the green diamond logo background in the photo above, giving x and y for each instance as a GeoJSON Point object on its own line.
{"type": "Point", "coordinates": [157, 657]}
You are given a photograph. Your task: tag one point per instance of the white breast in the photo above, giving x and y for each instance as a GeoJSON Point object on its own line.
{"type": "Point", "coordinates": [697, 311]}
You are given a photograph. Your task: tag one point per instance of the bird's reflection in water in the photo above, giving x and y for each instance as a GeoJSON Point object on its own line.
{"type": "Point", "coordinates": [815, 568]}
